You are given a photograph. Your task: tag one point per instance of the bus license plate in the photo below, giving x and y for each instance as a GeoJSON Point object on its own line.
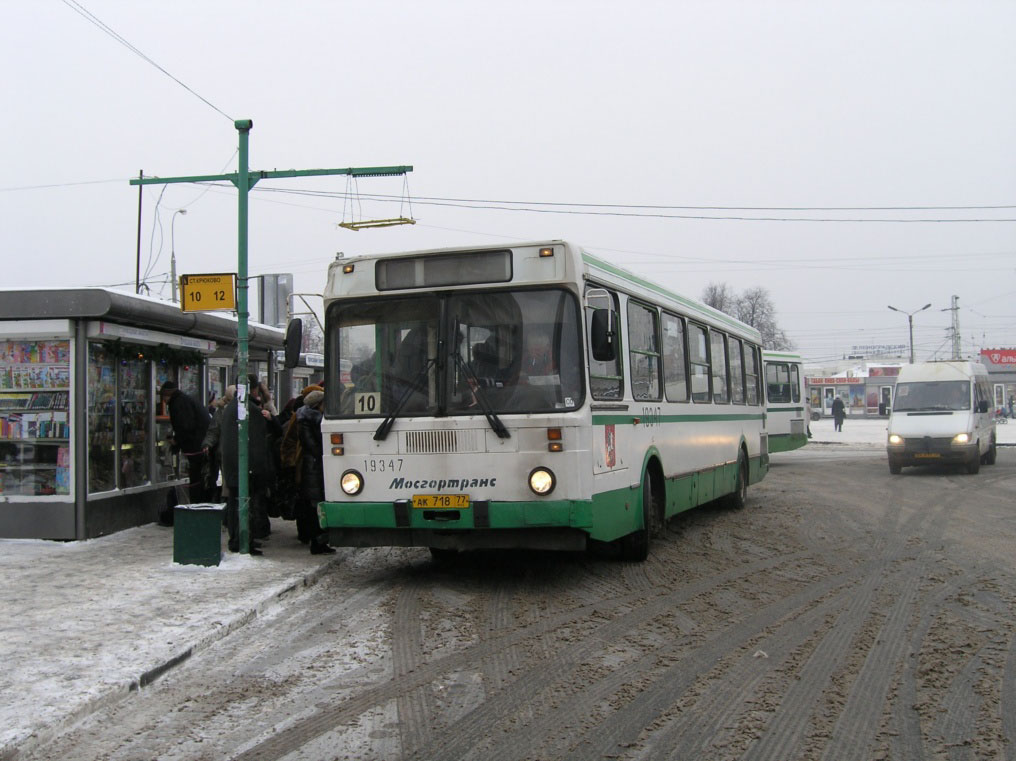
{"type": "Point", "coordinates": [927, 455]}
{"type": "Point", "coordinates": [432, 501]}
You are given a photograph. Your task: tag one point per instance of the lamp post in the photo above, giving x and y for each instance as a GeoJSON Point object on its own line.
{"type": "Point", "coordinates": [910, 319]}
{"type": "Point", "coordinates": [172, 250]}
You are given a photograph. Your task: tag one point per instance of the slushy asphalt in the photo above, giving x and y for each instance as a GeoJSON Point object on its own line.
{"type": "Point", "coordinates": [86, 623]}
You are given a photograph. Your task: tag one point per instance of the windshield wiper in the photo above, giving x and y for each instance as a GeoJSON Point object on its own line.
{"type": "Point", "coordinates": [417, 382]}
{"type": "Point", "coordinates": [481, 396]}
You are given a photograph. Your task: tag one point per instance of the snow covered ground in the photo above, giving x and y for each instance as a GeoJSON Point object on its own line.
{"type": "Point", "coordinates": [86, 622]}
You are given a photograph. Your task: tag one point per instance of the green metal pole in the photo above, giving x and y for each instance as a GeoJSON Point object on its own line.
{"type": "Point", "coordinates": [243, 126]}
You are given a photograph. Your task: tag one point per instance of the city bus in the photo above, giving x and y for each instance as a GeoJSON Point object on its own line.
{"type": "Point", "coordinates": [528, 396]}
{"type": "Point", "coordinates": [787, 404]}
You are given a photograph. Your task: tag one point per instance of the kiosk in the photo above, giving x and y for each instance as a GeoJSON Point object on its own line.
{"type": "Point", "coordinates": [83, 447]}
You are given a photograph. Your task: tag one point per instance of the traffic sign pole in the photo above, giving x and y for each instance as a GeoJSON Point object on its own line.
{"type": "Point", "coordinates": [244, 180]}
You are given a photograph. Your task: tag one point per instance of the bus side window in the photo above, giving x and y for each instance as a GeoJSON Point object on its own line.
{"type": "Point", "coordinates": [736, 372]}
{"type": "Point", "coordinates": [751, 376]}
{"type": "Point", "coordinates": [675, 374]}
{"type": "Point", "coordinates": [795, 383]}
{"type": "Point", "coordinates": [718, 356]}
{"type": "Point", "coordinates": [698, 356]}
{"type": "Point", "coordinates": [777, 382]}
{"type": "Point", "coordinates": [644, 351]}
{"type": "Point", "coordinates": [606, 380]}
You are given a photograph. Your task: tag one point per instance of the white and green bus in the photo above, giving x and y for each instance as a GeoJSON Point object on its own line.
{"type": "Point", "coordinates": [787, 404]}
{"type": "Point", "coordinates": [528, 396]}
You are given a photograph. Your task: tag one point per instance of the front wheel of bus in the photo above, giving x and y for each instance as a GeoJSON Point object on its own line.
{"type": "Point", "coordinates": [635, 546]}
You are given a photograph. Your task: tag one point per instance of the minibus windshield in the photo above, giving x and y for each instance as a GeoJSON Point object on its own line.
{"type": "Point", "coordinates": [932, 396]}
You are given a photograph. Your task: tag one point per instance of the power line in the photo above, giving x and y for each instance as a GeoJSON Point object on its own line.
{"type": "Point", "coordinates": [584, 209]}
{"type": "Point", "coordinates": [95, 20]}
{"type": "Point", "coordinates": [61, 185]}
{"type": "Point", "coordinates": [388, 197]}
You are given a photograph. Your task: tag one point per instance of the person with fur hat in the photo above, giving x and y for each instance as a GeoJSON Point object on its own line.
{"type": "Point", "coordinates": [311, 472]}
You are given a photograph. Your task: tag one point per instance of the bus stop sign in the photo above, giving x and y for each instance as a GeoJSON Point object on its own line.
{"type": "Point", "coordinates": [207, 293]}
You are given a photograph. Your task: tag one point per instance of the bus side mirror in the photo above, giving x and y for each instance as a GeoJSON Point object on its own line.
{"type": "Point", "coordinates": [294, 342]}
{"type": "Point", "coordinates": [982, 406]}
{"type": "Point", "coordinates": [602, 335]}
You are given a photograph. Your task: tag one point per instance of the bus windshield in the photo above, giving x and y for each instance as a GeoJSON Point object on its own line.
{"type": "Point", "coordinates": [456, 354]}
{"type": "Point", "coordinates": [932, 395]}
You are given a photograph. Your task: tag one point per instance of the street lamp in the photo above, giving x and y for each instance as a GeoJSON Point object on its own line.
{"type": "Point", "coordinates": [172, 250]}
{"type": "Point", "coordinates": [910, 319]}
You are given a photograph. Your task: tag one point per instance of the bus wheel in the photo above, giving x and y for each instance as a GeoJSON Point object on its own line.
{"type": "Point", "coordinates": [739, 498]}
{"type": "Point", "coordinates": [895, 467]}
{"type": "Point", "coordinates": [635, 546]}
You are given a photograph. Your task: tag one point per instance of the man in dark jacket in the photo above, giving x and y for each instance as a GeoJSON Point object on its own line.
{"type": "Point", "coordinates": [189, 420]}
{"type": "Point", "coordinates": [257, 463]}
{"type": "Point", "coordinates": [311, 473]}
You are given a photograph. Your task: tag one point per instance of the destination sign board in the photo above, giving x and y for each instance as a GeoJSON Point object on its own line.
{"type": "Point", "coordinates": [208, 293]}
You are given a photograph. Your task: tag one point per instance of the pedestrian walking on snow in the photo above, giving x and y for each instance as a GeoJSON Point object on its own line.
{"type": "Point", "coordinates": [839, 412]}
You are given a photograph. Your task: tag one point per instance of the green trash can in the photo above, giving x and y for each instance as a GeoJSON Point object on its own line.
{"type": "Point", "coordinates": [197, 534]}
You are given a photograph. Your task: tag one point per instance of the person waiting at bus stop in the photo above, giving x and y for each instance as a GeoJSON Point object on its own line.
{"type": "Point", "coordinates": [189, 420]}
{"type": "Point", "coordinates": [311, 469]}
{"type": "Point", "coordinates": [257, 463]}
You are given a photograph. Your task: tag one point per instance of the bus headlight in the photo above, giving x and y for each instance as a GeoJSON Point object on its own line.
{"type": "Point", "coordinates": [542, 481]}
{"type": "Point", "coordinates": [351, 482]}
{"type": "Point", "coordinates": [961, 438]}
{"type": "Point", "coordinates": [895, 440]}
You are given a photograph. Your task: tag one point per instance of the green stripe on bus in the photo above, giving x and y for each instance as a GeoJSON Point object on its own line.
{"type": "Point", "coordinates": [784, 409]}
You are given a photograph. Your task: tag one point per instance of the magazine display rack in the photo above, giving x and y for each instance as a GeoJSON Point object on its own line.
{"type": "Point", "coordinates": [35, 426]}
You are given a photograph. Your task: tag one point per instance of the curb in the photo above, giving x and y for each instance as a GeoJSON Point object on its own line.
{"type": "Point", "coordinates": [119, 692]}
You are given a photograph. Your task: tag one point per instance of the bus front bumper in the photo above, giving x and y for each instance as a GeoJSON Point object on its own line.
{"type": "Point", "coordinates": [551, 524]}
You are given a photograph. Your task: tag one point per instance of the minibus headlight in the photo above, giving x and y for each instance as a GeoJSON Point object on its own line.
{"type": "Point", "coordinates": [895, 439]}
{"type": "Point", "coordinates": [351, 482]}
{"type": "Point", "coordinates": [961, 438]}
{"type": "Point", "coordinates": [542, 481]}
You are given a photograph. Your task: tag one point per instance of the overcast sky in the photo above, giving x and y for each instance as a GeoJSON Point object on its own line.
{"type": "Point", "coordinates": [768, 109]}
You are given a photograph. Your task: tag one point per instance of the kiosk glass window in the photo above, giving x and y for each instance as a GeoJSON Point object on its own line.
{"type": "Point", "coordinates": [135, 396]}
{"type": "Point", "coordinates": [34, 417]}
{"type": "Point", "coordinates": [101, 418]}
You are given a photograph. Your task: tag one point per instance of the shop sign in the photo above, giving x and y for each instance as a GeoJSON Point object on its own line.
{"type": "Point", "coordinates": [1000, 356]}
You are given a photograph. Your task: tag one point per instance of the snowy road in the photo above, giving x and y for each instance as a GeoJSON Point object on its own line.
{"type": "Point", "coordinates": [845, 614]}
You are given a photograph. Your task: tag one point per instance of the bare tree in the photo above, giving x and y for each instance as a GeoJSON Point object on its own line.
{"type": "Point", "coordinates": [753, 307]}
{"type": "Point", "coordinates": [720, 296]}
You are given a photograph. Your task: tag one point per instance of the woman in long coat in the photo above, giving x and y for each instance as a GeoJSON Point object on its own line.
{"type": "Point", "coordinates": [839, 413]}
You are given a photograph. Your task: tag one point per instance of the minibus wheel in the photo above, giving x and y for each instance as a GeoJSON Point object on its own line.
{"type": "Point", "coordinates": [991, 454]}
{"type": "Point", "coordinates": [974, 465]}
{"type": "Point", "coordinates": [894, 466]}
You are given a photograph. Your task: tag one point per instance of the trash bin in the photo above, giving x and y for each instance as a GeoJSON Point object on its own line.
{"type": "Point", "coordinates": [197, 534]}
